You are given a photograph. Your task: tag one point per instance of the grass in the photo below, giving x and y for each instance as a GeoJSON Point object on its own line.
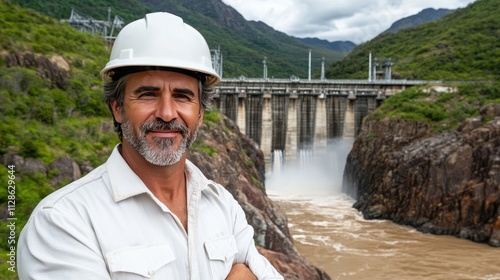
{"type": "Point", "coordinates": [442, 110]}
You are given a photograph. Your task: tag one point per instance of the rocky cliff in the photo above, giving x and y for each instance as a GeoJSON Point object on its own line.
{"type": "Point", "coordinates": [444, 183]}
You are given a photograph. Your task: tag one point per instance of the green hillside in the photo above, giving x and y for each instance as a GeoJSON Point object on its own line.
{"type": "Point", "coordinates": [36, 93]}
{"type": "Point", "coordinates": [243, 44]}
{"type": "Point", "coordinates": [464, 45]}
{"type": "Point", "coordinates": [51, 105]}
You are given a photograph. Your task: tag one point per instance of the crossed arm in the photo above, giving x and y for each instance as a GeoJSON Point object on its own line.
{"type": "Point", "coordinates": [240, 271]}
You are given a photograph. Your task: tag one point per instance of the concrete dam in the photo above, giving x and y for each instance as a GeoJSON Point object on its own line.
{"type": "Point", "coordinates": [292, 118]}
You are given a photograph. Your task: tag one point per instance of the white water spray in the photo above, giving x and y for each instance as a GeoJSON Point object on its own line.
{"type": "Point", "coordinates": [277, 161]}
{"type": "Point", "coordinates": [315, 172]}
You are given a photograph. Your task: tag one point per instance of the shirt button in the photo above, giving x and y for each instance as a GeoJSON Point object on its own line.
{"type": "Point", "coordinates": [151, 272]}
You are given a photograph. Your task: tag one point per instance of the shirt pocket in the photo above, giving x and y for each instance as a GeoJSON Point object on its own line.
{"type": "Point", "coordinates": [143, 260]}
{"type": "Point", "coordinates": [221, 252]}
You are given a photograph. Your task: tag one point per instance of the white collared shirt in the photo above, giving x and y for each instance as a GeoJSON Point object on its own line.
{"type": "Point", "coordinates": [108, 225]}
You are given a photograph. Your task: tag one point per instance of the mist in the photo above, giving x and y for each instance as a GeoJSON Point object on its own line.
{"type": "Point", "coordinates": [316, 172]}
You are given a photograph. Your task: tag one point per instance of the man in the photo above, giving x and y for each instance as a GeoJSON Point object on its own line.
{"type": "Point", "coordinates": [147, 212]}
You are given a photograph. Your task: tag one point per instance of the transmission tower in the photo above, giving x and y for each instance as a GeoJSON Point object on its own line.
{"type": "Point", "coordinates": [217, 61]}
{"type": "Point", "coordinates": [379, 63]}
{"type": "Point", "coordinates": [87, 24]}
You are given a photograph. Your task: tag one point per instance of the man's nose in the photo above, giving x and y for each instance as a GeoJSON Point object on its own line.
{"type": "Point", "coordinates": [166, 108]}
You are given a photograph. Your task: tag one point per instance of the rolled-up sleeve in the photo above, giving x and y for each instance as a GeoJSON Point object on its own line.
{"type": "Point", "coordinates": [247, 252]}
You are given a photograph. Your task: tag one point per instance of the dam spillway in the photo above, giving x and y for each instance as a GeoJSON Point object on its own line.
{"type": "Point", "coordinates": [292, 117]}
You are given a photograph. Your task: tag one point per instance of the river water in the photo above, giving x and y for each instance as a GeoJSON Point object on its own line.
{"type": "Point", "coordinates": [333, 236]}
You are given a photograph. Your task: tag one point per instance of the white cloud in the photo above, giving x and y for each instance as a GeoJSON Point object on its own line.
{"type": "Point", "coordinates": [353, 20]}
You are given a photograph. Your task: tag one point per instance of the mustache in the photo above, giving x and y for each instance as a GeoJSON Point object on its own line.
{"type": "Point", "coordinates": [159, 124]}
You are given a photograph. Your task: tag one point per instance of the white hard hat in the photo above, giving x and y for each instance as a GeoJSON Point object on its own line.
{"type": "Point", "coordinates": [161, 40]}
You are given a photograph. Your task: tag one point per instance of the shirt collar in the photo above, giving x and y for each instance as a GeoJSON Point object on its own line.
{"type": "Point", "coordinates": [125, 183]}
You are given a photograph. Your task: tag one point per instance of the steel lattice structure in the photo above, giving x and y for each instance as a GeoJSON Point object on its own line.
{"type": "Point", "coordinates": [87, 24]}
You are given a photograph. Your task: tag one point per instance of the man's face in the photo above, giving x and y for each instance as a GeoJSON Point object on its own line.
{"type": "Point", "coordinates": [161, 114]}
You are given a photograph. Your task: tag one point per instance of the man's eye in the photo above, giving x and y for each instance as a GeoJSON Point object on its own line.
{"type": "Point", "coordinates": [146, 94]}
{"type": "Point", "coordinates": [182, 96]}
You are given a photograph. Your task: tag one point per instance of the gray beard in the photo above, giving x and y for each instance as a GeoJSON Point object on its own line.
{"type": "Point", "coordinates": [162, 152]}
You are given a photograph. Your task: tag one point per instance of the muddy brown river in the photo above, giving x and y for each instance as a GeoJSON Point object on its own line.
{"type": "Point", "coordinates": [333, 236]}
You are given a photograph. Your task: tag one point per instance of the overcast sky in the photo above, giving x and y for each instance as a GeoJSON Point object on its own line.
{"type": "Point", "coordinates": [335, 20]}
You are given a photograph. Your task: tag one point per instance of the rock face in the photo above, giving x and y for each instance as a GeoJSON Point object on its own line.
{"type": "Point", "coordinates": [61, 171]}
{"type": "Point", "coordinates": [236, 163]}
{"type": "Point", "coordinates": [67, 170]}
{"type": "Point", "coordinates": [26, 165]}
{"type": "Point", "coordinates": [445, 183]}
{"type": "Point", "coordinates": [55, 68]}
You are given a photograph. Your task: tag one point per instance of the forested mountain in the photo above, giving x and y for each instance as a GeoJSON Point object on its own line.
{"type": "Point", "coordinates": [339, 46]}
{"type": "Point", "coordinates": [243, 44]}
{"type": "Point", "coordinates": [423, 16]}
{"type": "Point", "coordinates": [463, 45]}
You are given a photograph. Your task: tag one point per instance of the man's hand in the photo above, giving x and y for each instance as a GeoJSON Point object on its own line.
{"type": "Point", "coordinates": [240, 271]}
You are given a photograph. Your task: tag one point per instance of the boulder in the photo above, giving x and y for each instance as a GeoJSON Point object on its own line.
{"type": "Point", "coordinates": [64, 170]}
{"type": "Point", "coordinates": [55, 68]}
{"type": "Point", "coordinates": [293, 266]}
{"type": "Point", "coordinates": [24, 165]}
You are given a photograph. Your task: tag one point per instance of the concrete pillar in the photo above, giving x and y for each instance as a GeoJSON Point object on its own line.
{"type": "Point", "coordinates": [265, 143]}
{"type": "Point", "coordinates": [241, 119]}
{"type": "Point", "coordinates": [349, 122]}
{"type": "Point", "coordinates": [321, 123]}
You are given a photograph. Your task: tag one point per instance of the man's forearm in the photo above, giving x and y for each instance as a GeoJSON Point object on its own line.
{"type": "Point", "coordinates": [240, 271]}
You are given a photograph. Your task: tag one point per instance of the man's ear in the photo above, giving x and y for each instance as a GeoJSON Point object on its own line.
{"type": "Point", "coordinates": [117, 111]}
{"type": "Point", "coordinates": [200, 117]}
